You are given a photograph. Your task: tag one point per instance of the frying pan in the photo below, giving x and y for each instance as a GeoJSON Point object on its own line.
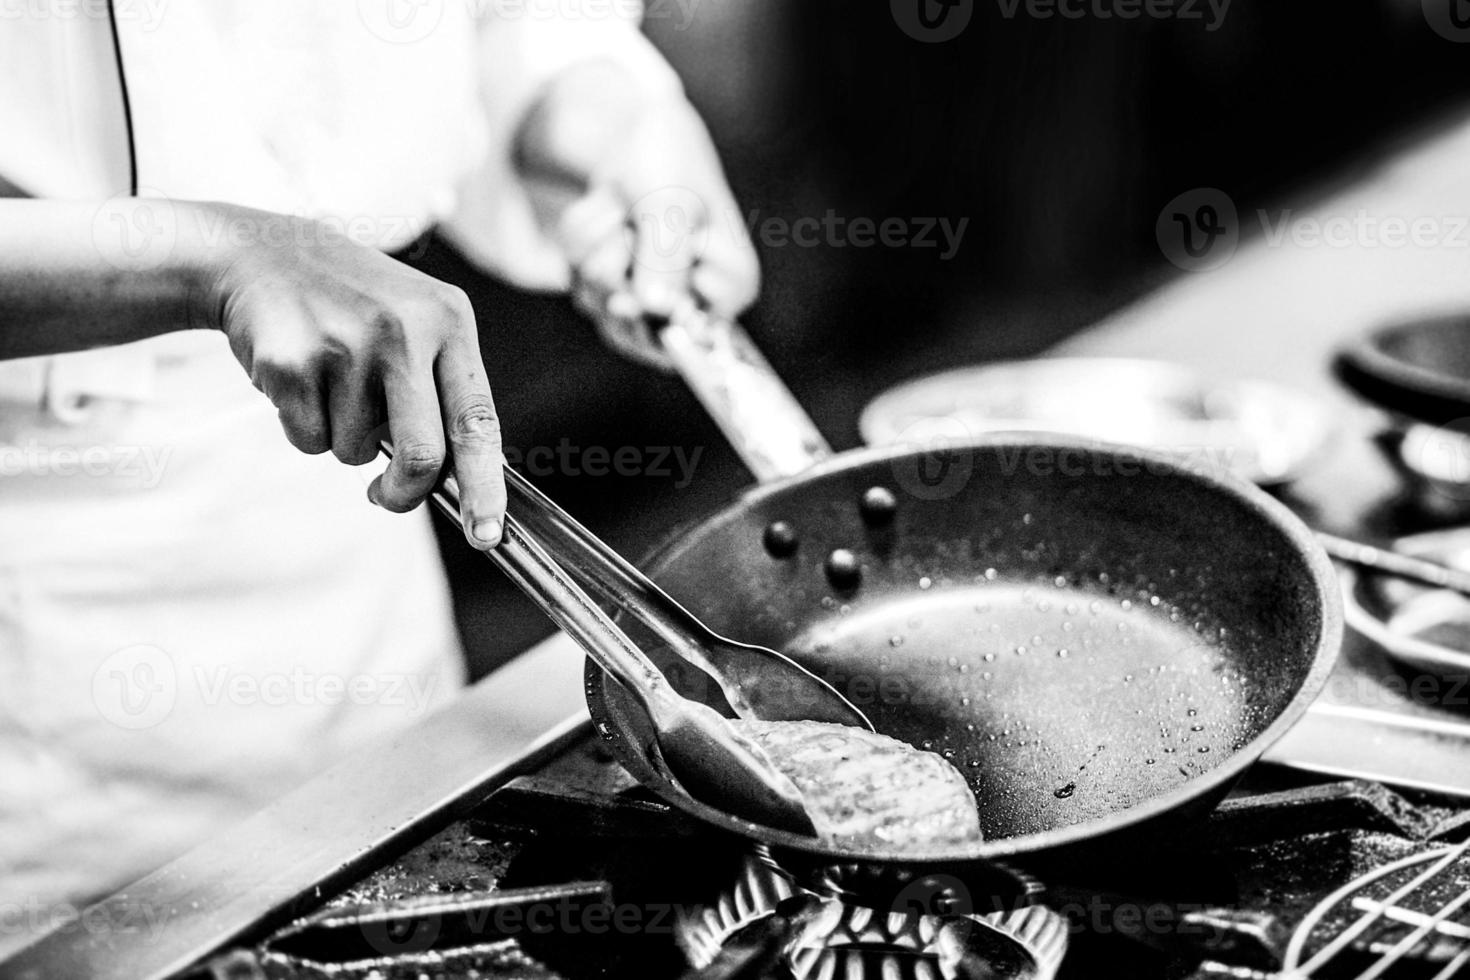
{"type": "Point", "coordinates": [1101, 639]}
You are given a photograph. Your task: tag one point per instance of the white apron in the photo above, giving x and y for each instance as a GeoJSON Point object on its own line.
{"type": "Point", "coordinates": [194, 617]}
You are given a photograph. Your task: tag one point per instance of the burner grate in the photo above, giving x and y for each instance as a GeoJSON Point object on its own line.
{"type": "Point", "coordinates": [918, 932]}
{"type": "Point", "coordinates": [1433, 934]}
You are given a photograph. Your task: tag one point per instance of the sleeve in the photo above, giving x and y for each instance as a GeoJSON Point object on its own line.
{"type": "Point", "coordinates": [524, 44]}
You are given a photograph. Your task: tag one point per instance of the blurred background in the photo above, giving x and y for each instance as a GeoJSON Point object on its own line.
{"type": "Point", "coordinates": [1050, 144]}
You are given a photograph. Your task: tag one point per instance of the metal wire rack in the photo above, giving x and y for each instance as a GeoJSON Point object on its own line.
{"type": "Point", "coordinates": [1431, 919]}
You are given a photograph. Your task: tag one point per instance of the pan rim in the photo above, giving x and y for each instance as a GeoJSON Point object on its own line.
{"type": "Point", "coordinates": [1325, 652]}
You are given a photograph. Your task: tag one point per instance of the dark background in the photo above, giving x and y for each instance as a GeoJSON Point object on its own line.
{"type": "Point", "coordinates": [1060, 141]}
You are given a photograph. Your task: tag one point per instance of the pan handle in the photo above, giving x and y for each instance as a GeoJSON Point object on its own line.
{"type": "Point", "coordinates": [755, 410]}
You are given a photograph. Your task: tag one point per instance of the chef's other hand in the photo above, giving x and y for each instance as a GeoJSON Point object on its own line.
{"type": "Point", "coordinates": [345, 340]}
{"type": "Point", "coordinates": [651, 222]}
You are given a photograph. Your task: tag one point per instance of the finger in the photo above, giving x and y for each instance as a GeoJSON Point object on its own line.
{"type": "Point", "coordinates": [473, 427]}
{"type": "Point", "coordinates": [418, 441]}
{"type": "Point", "coordinates": [728, 278]}
{"type": "Point", "coordinates": [671, 234]}
{"type": "Point", "coordinates": [298, 393]}
{"type": "Point", "coordinates": [354, 399]}
{"type": "Point", "coordinates": [624, 329]}
{"type": "Point", "coordinates": [588, 222]}
{"type": "Point", "coordinates": [285, 373]}
{"type": "Point", "coordinates": [603, 272]}
{"type": "Point", "coordinates": [303, 416]}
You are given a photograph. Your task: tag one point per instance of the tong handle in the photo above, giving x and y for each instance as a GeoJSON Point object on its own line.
{"type": "Point", "coordinates": [523, 560]}
{"type": "Point", "coordinates": [584, 554]}
{"type": "Point", "coordinates": [557, 594]}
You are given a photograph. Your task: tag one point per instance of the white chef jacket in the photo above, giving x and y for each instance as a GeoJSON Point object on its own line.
{"type": "Point", "coordinates": [194, 616]}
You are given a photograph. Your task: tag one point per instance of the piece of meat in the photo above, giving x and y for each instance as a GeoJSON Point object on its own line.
{"type": "Point", "coordinates": [864, 788]}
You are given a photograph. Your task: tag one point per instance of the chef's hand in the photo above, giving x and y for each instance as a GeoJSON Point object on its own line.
{"type": "Point", "coordinates": [344, 339]}
{"type": "Point", "coordinates": [650, 222]}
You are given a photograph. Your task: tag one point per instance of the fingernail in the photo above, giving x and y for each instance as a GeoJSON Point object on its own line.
{"type": "Point", "coordinates": [487, 532]}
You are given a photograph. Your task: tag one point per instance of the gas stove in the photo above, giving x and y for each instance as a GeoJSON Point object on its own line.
{"type": "Point", "coordinates": [573, 872]}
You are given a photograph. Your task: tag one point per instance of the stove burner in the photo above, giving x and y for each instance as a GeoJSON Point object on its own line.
{"type": "Point", "coordinates": [819, 936]}
{"type": "Point", "coordinates": [1223, 904]}
{"type": "Point", "coordinates": [989, 887]}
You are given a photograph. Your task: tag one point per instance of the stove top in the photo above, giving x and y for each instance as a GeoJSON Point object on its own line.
{"type": "Point", "coordinates": [573, 872]}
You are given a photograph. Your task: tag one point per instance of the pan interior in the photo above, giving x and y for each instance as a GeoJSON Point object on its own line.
{"type": "Point", "coordinates": [1058, 704]}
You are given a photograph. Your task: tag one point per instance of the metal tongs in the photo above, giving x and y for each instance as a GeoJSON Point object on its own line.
{"type": "Point", "coordinates": [757, 682]}
{"type": "Point", "coordinates": [712, 761]}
